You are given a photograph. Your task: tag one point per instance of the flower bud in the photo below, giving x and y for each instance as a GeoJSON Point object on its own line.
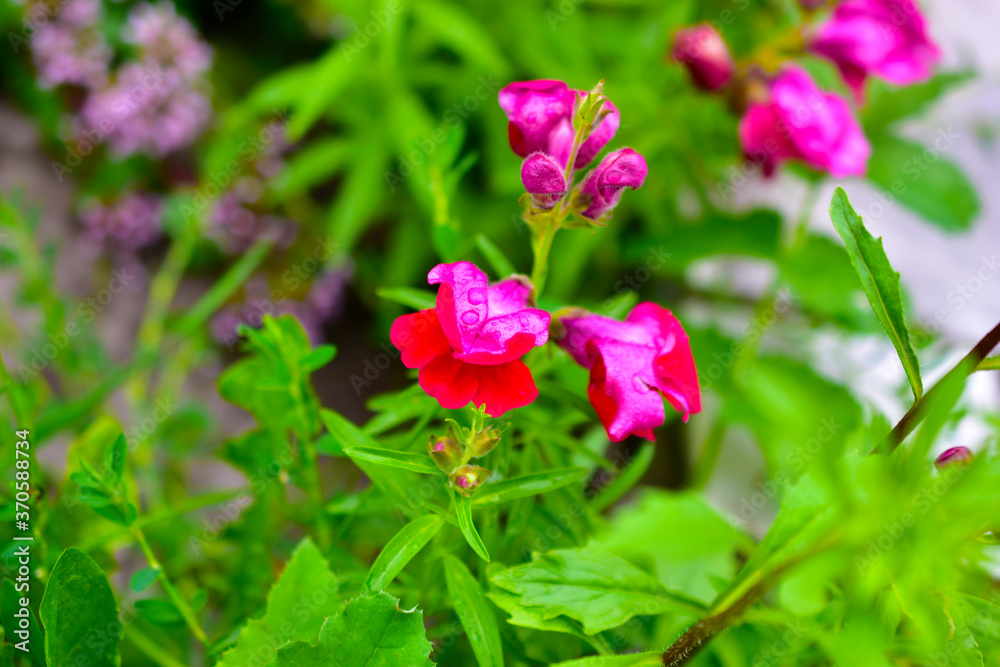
{"type": "Point", "coordinates": [445, 451]}
{"type": "Point", "coordinates": [706, 57]}
{"type": "Point", "coordinates": [602, 187]}
{"type": "Point", "coordinates": [466, 479]}
{"type": "Point", "coordinates": [484, 442]}
{"type": "Point", "coordinates": [954, 455]}
{"type": "Point", "coordinates": [544, 180]}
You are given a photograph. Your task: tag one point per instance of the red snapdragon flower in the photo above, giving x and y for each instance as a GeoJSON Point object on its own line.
{"type": "Point", "coordinates": [469, 347]}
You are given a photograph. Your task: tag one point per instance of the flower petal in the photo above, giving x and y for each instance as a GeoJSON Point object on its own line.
{"type": "Point", "coordinates": [419, 338]}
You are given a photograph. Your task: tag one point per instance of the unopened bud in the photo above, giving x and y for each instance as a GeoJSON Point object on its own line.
{"type": "Point", "coordinates": [484, 442]}
{"type": "Point", "coordinates": [954, 455]}
{"type": "Point", "coordinates": [544, 179]}
{"type": "Point", "coordinates": [466, 479]}
{"type": "Point", "coordinates": [445, 451]}
{"type": "Point", "coordinates": [706, 57]}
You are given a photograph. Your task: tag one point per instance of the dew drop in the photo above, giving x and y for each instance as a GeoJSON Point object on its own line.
{"type": "Point", "coordinates": [524, 320]}
{"type": "Point", "coordinates": [470, 317]}
{"type": "Point", "coordinates": [477, 295]}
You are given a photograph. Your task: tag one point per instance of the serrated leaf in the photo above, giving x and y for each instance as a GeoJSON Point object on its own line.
{"type": "Point", "coordinates": [463, 508]}
{"type": "Point", "coordinates": [530, 617]}
{"type": "Point", "coordinates": [400, 550]}
{"type": "Point", "coordinates": [880, 282]}
{"type": "Point", "coordinates": [593, 586]}
{"type": "Point", "coordinates": [371, 632]}
{"type": "Point", "coordinates": [526, 485]}
{"type": "Point", "coordinates": [394, 459]}
{"type": "Point", "coordinates": [80, 614]}
{"type": "Point", "coordinates": [298, 604]}
{"type": "Point", "coordinates": [475, 613]}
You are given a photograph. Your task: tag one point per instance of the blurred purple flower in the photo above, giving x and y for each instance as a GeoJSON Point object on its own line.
{"type": "Point", "coordinates": [148, 108]}
{"type": "Point", "coordinates": [323, 304]}
{"type": "Point", "coordinates": [166, 38]}
{"type": "Point", "coordinates": [70, 48]}
{"type": "Point", "coordinates": [130, 223]}
{"type": "Point", "coordinates": [236, 226]}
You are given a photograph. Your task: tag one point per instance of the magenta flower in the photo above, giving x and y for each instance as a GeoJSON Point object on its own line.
{"type": "Point", "coordinates": [544, 179]}
{"type": "Point", "coordinates": [469, 347]}
{"type": "Point", "coordinates": [631, 364]}
{"type": "Point", "coordinates": [801, 122]}
{"type": "Point", "coordinates": [129, 224]}
{"type": "Point", "coordinates": [886, 39]}
{"type": "Point", "coordinates": [541, 120]}
{"type": "Point", "coordinates": [602, 187]}
{"type": "Point", "coordinates": [70, 47]}
{"type": "Point", "coordinates": [236, 226]}
{"type": "Point", "coordinates": [706, 57]}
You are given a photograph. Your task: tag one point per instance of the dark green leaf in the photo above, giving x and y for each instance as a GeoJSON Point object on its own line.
{"type": "Point", "coordinates": [388, 457]}
{"type": "Point", "coordinates": [475, 613]}
{"type": "Point", "coordinates": [400, 550]}
{"type": "Point", "coordinates": [526, 485]}
{"type": "Point", "coordinates": [463, 507]}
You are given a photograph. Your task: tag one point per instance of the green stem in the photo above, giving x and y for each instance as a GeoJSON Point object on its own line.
{"type": "Point", "coordinates": [542, 244]}
{"type": "Point", "coordinates": [916, 414]}
{"type": "Point", "coordinates": [315, 491]}
{"type": "Point", "coordinates": [175, 596]}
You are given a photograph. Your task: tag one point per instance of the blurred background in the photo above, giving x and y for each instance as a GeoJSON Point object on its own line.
{"type": "Point", "coordinates": [358, 144]}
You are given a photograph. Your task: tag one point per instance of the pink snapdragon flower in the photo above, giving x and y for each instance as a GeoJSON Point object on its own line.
{"type": "Point", "coordinates": [541, 120]}
{"type": "Point", "coordinates": [799, 121]}
{"type": "Point", "coordinates": [633, 363]}
{"type": "Point", "coordinates": [544, 179]}
{"type": "Point", "coordinates": [602, 188]}
{"type": "Point", "coordinates": [469, 347]}
{"type": "Point", "coordinates": [705, 55]}
{"type": "Point", "coordinates": [70, 48]}
{"type": "Point", "coordinates": [886, 39]}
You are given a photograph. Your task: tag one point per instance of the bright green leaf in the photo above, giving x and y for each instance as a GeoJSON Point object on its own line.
{"type": "Point", "coordinates": [400, 550]}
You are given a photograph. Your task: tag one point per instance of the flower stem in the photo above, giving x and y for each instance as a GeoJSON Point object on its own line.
{"type": "Point", "coordinates": [541, 243]}
{"type": "Point", "coordinates": [315, 491]}
{"type": "Point", "coordinates": [175, 596]}
{"type": "Point", "coordinates": [916, 414]}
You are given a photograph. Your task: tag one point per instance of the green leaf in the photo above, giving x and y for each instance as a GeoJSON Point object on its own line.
{"type": "Point", "coordinates": [888, 104]}
{"type": "Point", "coordinates": [159, 612]}
{"type": "Point", "coordinates": [80, 614]}
{"type": "Point", "coordinates": [330, 76]}
{"type": "Point", "coordinates": [371, 632]}
{"type": "Point", "coordinates": [530, 617]}
{"type": "Point", "coordinates": [630, 660]}
{"type": "Point", "coordinates": [526, 485]}
{"type": "Point", "coordinates": [420, 299]}
{"type": "Point", "coordinates": [935, 188]}
{"type": "Point", "coordinates": [454, 27]}
{"type": "Point", "coordinates": [400, 550]}
{"type": "Point", "coordinates": [989, 364]}
{"type": "Point", "coordinates": [475, 613]}
{"type": "Point", "coordinates": [463, 508]}
{"type": "Point", "coordinates": [880, 282]}
{"type": "Point", "coordinates": [389, 457]}
{"type": "Point", "coordinates": [144, 578]}
{"type": "Point", "coordinates": [10, 602]}
{"type": "Point", "coordinates": [593, 586]}
{"type": "Point", "coordinates": [114, 461]}
{"type": "Point", "coordinates": [298, 604]}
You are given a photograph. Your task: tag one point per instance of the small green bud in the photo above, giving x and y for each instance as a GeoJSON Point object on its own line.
{"type": "Point", "coordinates": [484, 441]}
{"type": "Point", "coordinates": [466, 479]}
{"type": "Point", "coordinates": [445, 451]}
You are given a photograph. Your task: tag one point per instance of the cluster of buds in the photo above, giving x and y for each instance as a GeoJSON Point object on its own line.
{"type": "Point", "coordinates": [559, 130]}
{"type": "Point", "coordinates": [785, 115]}
{"type": "Point", "coordinates": [453, 451]}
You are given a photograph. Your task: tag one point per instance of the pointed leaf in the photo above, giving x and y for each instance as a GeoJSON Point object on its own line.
{"type": "Point", "coordinates": [394, 459]}
{"type": "Point", "coordinates": [400, 550]}
{"type": "Point", "coordinates": [880, 283]}
{"type": "Point", "coordinates": [526, 485]}
{"type": "Point", "coordinates": [475, 613]}
{"type": "Point", "coordinates": [463, 507]}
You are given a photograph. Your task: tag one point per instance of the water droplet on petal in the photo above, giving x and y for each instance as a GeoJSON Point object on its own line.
{"type": "Point", "coordinates": [524, 320]}
{"type": "Point", "coordinates": [470, 317]}
{"type": "Point", "coordinates": [477, 295]}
